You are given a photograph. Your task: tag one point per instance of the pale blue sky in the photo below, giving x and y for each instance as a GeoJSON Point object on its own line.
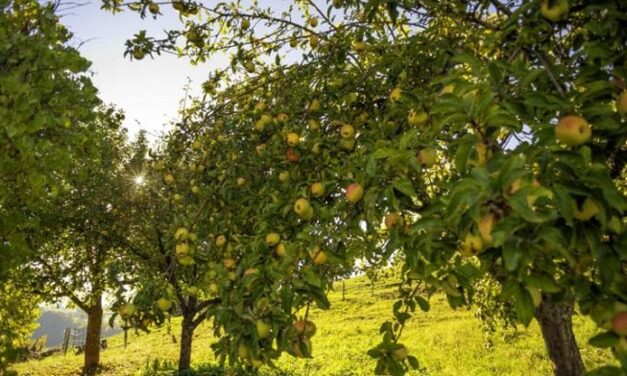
{"type": "Point", "coordinates": [149, 91]}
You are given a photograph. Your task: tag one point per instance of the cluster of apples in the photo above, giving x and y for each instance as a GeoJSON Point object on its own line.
{"type": "Point", "coordinates": [183, 250]}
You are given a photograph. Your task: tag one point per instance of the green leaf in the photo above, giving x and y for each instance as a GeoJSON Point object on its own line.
{"type": "Point", "coordinates": [405, 187]}
{"type": "Point", "coordinates": [604, 340]}
{"type": "Point", "coordinates": [523, 303]}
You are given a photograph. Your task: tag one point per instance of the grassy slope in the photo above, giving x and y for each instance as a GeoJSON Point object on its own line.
{"type": "Point", "coordinates": [446, 342]}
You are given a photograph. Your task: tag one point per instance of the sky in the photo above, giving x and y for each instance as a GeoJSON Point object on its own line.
{"type": "Point", "coordinates": [149, 91]}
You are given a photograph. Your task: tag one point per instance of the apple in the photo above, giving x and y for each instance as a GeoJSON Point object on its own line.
{"type": "Point", "coordinates": [153, 8]}
{"type": "Point", "coordinates": [296, 350]}
{"type": "Point", "coordinates": [195, 189]}
{"type": "Point", "coordinates": [337, 3]}
{"type": "Point", "coordinates": [181, 234]}
{"type": "Point", "coordinates": [314, 40]}
{"type": "Point", "coordinates": [354, 193]}
{"type": "Point", "coordinates": [241, 182]}
{"type": "Point", "coordinates": [471, 245]}
{"type": "Point", "coordinates": [318, 256]}
{"type": "Point", "coordinates": [396, 94]}
{"type": "Point", "coordinates": [573, 130]}
{"type": "Point", "coordinates": [220, 241]}
{"type": "Point", "coordinates": [347, 144]}
{"type": "Point", "coordinates": [621, 103]}
{"type": "Point", "coordinates": [315, 150]}
{"type": "Point", "coordinates": [127, 310]}
{"type": "Point", "coordinates": [293, 139]}
{"type": "Point", "coordinates": [185, 260]}
{"type": "Point", "coordinates": [138, 54]}
{"type": "Point", "coordinates": [360, 46]}
{"type": "Point", "coordinates": [619, 323]}
{"type": "Point", "coordinates": [486, 222]}
{"type": "Point", "coordinates": [177, 197]}
{"type": "Point", "coordinates": [213, 289]}
{"type": "Point", "coordinates": [588, 210]}
{"type": "Point", "coordinates": [229, 263]}
{"type": "Point", "coordinates": [304, 328]}
{"type": "Point", "coordinates": [400, 353]}
{"type": "Point", "coordinates": [313, 124]}
{"type": "Point", "coordinates": [347, 131]}
{"type": "Point", "coordinates": [293, 42]}
{"type": "Point", "coordinates": [250, 67]}
{"type": "Point", "coordinates": [250, 271]}
{"type": "Point", "coordinates": [448, 89]}
{"type": "Point", "coordinates": [245, 24]}
{"type": "Point", "coordinates": [282, 117]}
{"type": "Point", "coordinates": [192, 291]}
{"type": "Point", "coordinates": [284, 176]}
{"type": "Point", "coordinates": [273, 239]}
{"type": "Point", "coordinates": [314, 105]}
{"type": "Point", "coordinates": [362, 118]}
{"type": "Point", "coordinates": [427, 157]}
{"type": "Point", "coordinates": [242, 351]}
{"type": "Point", "coordinates": [259, 107]}
{"type": "Point", "coordinates": [164, 304]}
{"type": "Point", "coordinates": [292, 156]}
{"type": "Point", "coordinates": [415, 119]}
{"type": "Point", "coordinates": [281, 250]}
{"type": "Point", "coordinates": [263, 329]}
{"type": "Point", "coordinates": [392, 220]}
{"type": "Point", "coordinates": [317, 189]}
{"type": "Point", "coordinates": [182, 250]}
{"type": "Point", "coordinates": [555, 12]}
{"type": "Point", "coordinates": [303, 209]}
{"type": "Point", "coordinates": [193, 237]}
{"type": "Point", "coordinates": [313, 21]}
{"type": "Point", "coordinates": [168, 178]}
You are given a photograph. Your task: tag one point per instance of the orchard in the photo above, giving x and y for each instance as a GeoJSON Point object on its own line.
{"type": "Point", "coordinates": [459, 143]}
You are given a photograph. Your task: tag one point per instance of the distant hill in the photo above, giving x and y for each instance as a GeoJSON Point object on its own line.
{"type": "Point", "coordinates": [53, 323]}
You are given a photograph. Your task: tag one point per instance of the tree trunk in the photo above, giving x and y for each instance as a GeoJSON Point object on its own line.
{"type": "Point", "coordinates": [556, 323]}
{"type": "Point", "coordinates": [187, 331]}
{"type": "Point", "coordinates": [92, 340]}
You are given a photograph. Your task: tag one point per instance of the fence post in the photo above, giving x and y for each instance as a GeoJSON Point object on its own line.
{"type": "Point", "coordinates": [66, 340]}
{"type": "Point", "coordinates": [343, 290]}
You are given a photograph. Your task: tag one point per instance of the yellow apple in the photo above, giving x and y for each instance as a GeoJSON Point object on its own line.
{"type": "Point", "coordinates": [360, 46]}
{"type": "Point", "coordinates": [241, 182]}
{"type": "Point", "coordinates": [168, 178]}
{"type": "Point", "coordinates": [242, 351]}
{"type": "Point", "coordinates": [313, 124]}
{"type": "Point", "coordinates": [313, 21]}
{"type": "Point", "coordinates": [284, 176]}
{"type": "Point", "coordinates": [573, 130]}
{"type": "Point", "coordinates": [304, 328]}
{"type": "Point", "coordinates": [281, 250]}
{"type": "Point", "coordinates": [303, 209]}
{"type": "Point", "coordinates": [282, 117]}
{"type": "Point", "coordinates": [314, 40]}
{"type": "Point", "coordinates": [415, 119]}
{"type": "Point", "coordinates": [181, 234]}
{"type": "Point", "coordinates": [317, 189]}
{"type": "Point", "coordinates": [192, 291]}
{"type": "Point", "coordinates": [396, 94]}
{"type": "Point", "coordinates": [273, 239]}
{"type": "Point", "coordinates": [400, 353]}
{"type": "Point", "coordinates": [318, 256]}
{"type": "Point", "coordinates": [354, 193]}
{"type": "Point", "coordinates": [486, 222]}
{"type": "Point", "coordinates": [182, 250]}
{"type": "Point", "coordinates": [250, 67]}
{"type": "Point", "coordinates": [555, 12]}
{"type": "Point", "coordinates": [229, 263]}
{"type": "Point", "coordinates": [293, 139]}
{"type": "Point", "coordinates": [347, 144]}
{"type": "Point", "coordinates": [213, 289]}
{"type": "Point", "coordinates": [153, 8]}
{"type": "Point", "coordinates": [471, 245]}
{"type": "Point", "coordinates": [220, 241]}
{"type": "Point", "coordinates": [347, 131]}
{"type": "Point", "coordinates": [314, 106]}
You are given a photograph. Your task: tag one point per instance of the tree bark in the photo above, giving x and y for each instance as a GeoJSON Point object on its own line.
{"type": "Point", "coordinates": [555, 318]}
{"type": "Point", "coordinates": [92, 340]}
{"type": "Point", "coordinates": [187, 332]}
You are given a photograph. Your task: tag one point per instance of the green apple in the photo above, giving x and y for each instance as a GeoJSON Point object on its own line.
{"type": "Point", "coordinates": [313, 21]}
{"type": "Point", "coordinates": [573, 130]}
{"type": "Point", "coordinates": [242, 351]}
{"type": "Point", "coordinates": [281, 250]}
{"type": "Point", "coordinates": [318, 256]}
{"type": "Point", "coordinates": [182, 250]}
{"type": "Point", "coordinates": [417, 118]}
{"type": "Point", "coordinates": [293, 139]}
{"type": "Point", "coordinates": [220, 241]}
{"type": "Point", "coordinates": [192, 291]}
{"type": "Point", "coordinates": [181, 234]}
{"type": "Point", "coordinates": [213, 289]}
{"type": "Point", "coordinates": [241, 182]}
{"type": "Point", "coordinates": [354, 193]}
{"type": "Point", "coordinates": [313, 124]}
{"type": "Point", "coordinates": [263, 329]}
{"type": "Point", "coordinates": [168, 178]}
{"type": "Point", "coordinates": [427, 157]}
{"type": "Point", "coordinates": [127, 310]}
{"type": "Point", "coordinates": [164, 304]}
{"type": "Point", "coordinates": [347, 131]}
{"type": "Point", "coordinates": [284, 176]}
{"type": "Point", "coordinates": [245, 24]}
{"type": "Point", "coordinates": [314, 105]}
{"type": "Point", "coordinates": [471, 245]}
{"type": "Point", "coordinates": [554, 10]}
{"type": "Point", "coordinates": [347, 144]}
{"type": "Point", "coordinates": [250, 67]}
{"type": "Point", "coordinates": [400, 353]}
{"type": "Point", "coordinates": [396, 94]}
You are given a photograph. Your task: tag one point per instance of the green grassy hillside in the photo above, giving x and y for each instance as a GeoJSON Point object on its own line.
{"type": "Point", "coordinates": [446, 342]}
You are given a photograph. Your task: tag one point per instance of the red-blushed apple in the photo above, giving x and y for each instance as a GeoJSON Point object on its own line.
{"type": "Point", "coordinates": [292, 156]}
{"type": "Point", "coordinates": [305, 328]}
{"type": "Point", "coordinates": [573, 130]}
{"type": "Point", "coordinates": [619, 323]}
{"type": "Point", "coordinates": [392, 220]}
{"type": "Point", "coordinates": [354, 193]}
{"type": "Point", "coordinates": [295, 347]}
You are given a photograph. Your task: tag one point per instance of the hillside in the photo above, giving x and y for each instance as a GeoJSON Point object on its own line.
{"type": "Point", "coordinates": [446, 342]}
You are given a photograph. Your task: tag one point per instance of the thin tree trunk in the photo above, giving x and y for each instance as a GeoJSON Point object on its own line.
{"type": "Point", "coordinates": [92, 340]}
{"type": "Point", "coordinates": [556, 323]}
{"type": "Point", "coordinates": [187, 332]}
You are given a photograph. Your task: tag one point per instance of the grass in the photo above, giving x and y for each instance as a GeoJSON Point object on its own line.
{"type": "Point", "coordinates": [446, 342]}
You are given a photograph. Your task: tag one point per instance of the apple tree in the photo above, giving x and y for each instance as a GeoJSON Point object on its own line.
{"type": "Point", "coordinates": [470, 139]}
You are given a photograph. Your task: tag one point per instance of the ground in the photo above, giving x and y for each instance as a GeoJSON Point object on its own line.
{"type": "Point", "coordinates": [446, 342]}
